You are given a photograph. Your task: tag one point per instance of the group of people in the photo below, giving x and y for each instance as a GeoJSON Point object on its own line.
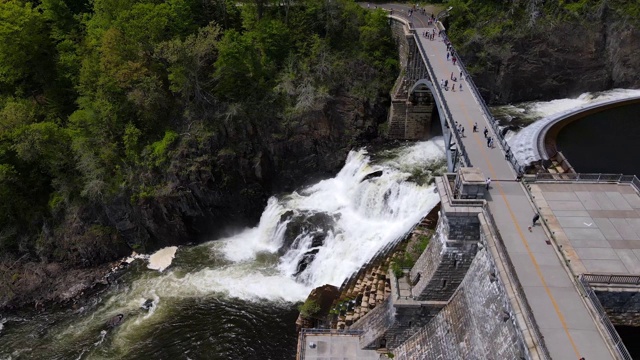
{"type": "Point", "coordinates": [430, 34]}
{"type": "Point", "coordinates": [488, 138]}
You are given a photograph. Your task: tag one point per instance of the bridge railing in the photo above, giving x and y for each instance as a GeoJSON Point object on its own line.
{"type": "Point", "coordinates": [487, 113]}
{"type": "Point", "coordinates": [447, 112]}
{"type": "Point", "coordinates": [586, 178]}
{"type": "Point", "coordinates": [604, 318]}
{"type": "Point", "coordinates": [609, 279]}
{"type": "Point", "coordinates": [517, 286]}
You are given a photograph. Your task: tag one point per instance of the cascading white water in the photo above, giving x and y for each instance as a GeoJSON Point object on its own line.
{"type": "Point", "coordinates": [368, 215]}
{"type": "Point", "coordinates": [356, 216]}
{"type": "Point", "coordinates": [540, 113]}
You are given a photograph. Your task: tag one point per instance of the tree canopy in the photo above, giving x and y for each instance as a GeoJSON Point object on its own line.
{"type": "Point", "coordinates": [95, 95]}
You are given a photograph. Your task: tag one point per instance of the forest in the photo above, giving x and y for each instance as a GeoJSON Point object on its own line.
{"type": "Point", "coordinates": [98, 98]}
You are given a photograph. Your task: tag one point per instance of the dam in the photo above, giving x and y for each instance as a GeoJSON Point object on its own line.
{"type": "Point", "coordinates": [494, 282]}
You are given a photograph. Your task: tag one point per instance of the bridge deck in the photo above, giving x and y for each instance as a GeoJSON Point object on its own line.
{"type": "Point", "coordinates": [567, 326]}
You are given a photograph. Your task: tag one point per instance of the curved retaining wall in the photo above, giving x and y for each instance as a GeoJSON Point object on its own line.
{"type": "Point", "coordinates": [545, 136]}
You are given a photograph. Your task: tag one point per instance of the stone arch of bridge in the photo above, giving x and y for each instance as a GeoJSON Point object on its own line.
{"type": "Point", "coordinates": [423, 90]}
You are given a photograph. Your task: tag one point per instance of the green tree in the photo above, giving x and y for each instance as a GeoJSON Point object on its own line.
{"type": "Point", "coordinates": [25, 49]}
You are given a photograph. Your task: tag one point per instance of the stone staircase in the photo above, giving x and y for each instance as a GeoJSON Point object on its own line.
{"type": "Point", "coordinates": [368, 290]}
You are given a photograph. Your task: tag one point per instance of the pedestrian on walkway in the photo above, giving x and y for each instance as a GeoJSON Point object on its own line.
{"type": "Point", "coordinates": [488, 142]}
{"type": "Point", "coordinates": [488, 182]}
{"type": "Point", "coordinates": [454, 60]}
{"type": "Point", "coordinates": [451, 77]}
{"type": "Point", "coordinates": [462, 131]}
{"type": "Point", "coordinates": [448, 56]}
{"type": "Point", "coordinates": [461, 76]}
{"type": "Point", "coordinates": [491, 142]}
{"type": "Point", "coordinates": [485, 131]}
{"type": "Point", "coordinates": [460, 87]}
{"type": "Point", "coordinates": [475, 127]}
{"type": "Point", "coordinates": [535, 218]}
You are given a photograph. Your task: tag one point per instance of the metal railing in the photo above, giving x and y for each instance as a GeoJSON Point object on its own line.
{"type": "Point", "coordinates": [527, 312]}
{"type": "Point", "coordinates": [611, 279]}
{"type": "Point", "coordinates": [519, 169]}
{"type": "Point", "coordinates": [586, 178]}
{"type": "Point", "coordinates": [583, 284]}
{"type": "Point", "coordinates": [604, 319]}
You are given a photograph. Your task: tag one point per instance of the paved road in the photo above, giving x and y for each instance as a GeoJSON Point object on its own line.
{"type": "Point", "coordinates": [568, 329]}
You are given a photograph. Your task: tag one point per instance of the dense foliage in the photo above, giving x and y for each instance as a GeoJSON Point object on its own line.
{"type": "Point", "coordinates": [96, 95]}
{"type": "Point", "coordinates": [495, 20]}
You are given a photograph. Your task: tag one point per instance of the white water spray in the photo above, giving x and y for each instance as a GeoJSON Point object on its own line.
{"type": "Point", "coordinates": [354, 219]}
{"type": "Point", "coordinates": [523, 144]}
{"type": "Point", "coordinates": [366, 215]}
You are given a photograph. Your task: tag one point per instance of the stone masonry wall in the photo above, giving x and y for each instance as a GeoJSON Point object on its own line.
{"type": "Point", "coordinates": [476, 324]}
{"type": "Point", "coordinates": [418, 121]}
{"type": "Point", "coordinates": [407, 120]}
{"type": "Point", "coordinates": [375, 324]}
{"type": "Point", "coordinates": [397, 116]}
{"type": "Point", "coordinates": [430, 258]}
{"type": "Point", "coordinates": [442, 267]}
{"type": "Point", "coordinates": [398, 33]}
{"type": "Point", "coordinates": [394, 321]}
{"type": "Point", "coordinates": [622, 307]}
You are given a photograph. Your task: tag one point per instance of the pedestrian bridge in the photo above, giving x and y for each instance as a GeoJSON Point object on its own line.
{"type": "Point", "coordinates": [562, 324]}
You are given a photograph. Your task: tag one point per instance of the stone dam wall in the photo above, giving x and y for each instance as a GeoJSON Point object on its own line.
{"type": "Point", "coordinates": [453, 303]}
{"type": "Point", "coordinates": [477, 323]}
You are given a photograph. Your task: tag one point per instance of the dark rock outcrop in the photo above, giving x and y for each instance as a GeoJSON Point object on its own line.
{"type": "Point", "coordinates": [115, 321]}
{"type": "Point", "coordinates": [553, 59]}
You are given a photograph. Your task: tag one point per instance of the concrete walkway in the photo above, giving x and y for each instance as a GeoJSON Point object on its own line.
{"type": "Point", "coordinates": [568, 329]}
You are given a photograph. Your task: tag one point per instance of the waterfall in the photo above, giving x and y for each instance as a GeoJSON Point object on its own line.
{"type": "Point", "coordinates": [317, 235]}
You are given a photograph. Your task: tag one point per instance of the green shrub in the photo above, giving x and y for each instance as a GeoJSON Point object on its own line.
{"type": "Point", "coordinates": [309, 308]}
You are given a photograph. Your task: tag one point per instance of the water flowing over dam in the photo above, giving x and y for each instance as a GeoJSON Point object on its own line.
{"type": "Point", "coordinates": [234, 298]}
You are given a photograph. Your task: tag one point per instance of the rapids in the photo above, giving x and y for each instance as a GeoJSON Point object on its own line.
{"type": "Point", "coordinates": [235, 298]}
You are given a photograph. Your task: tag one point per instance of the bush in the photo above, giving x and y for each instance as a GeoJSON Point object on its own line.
{"type": "Point", "coordinates": [309, 308]}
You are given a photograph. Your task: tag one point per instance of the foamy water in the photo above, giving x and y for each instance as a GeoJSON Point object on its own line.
{"type": "Point", "coordinates": [523, 143]}
{"type": "Point", "coordinates": [252, 266]}
{"type": "Point", "coordinates": [368, 215]}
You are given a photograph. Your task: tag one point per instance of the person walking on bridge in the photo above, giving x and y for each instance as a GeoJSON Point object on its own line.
{"type": "Point", "coordinates": [475, 127]}
{"type": "Point", "coordinates": [535, 219]}
{"type": "Point", "coordinates": [488, 182]}
{"type": "Point", "coordinates": [485, 131]}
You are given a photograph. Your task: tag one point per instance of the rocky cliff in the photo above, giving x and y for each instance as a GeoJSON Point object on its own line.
{"type": "Point", "coordinates": [532, 50]}
{"type": "Point", "coordinates": [214, 182]}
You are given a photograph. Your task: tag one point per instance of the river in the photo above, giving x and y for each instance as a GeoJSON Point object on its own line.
{"type": "Point", "coordinates": [237, 297]}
